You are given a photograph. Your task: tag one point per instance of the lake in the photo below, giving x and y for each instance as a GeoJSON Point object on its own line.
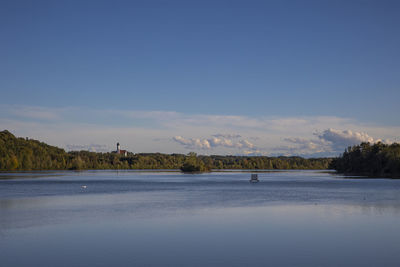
{"type": "Point", "coordinates": [144, 218]}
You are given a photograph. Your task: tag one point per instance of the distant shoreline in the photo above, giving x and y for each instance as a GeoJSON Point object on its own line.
{"type": "Point", "coordinates": [171, 170]}
{"type": "Point", "coordinates": [23, 154]}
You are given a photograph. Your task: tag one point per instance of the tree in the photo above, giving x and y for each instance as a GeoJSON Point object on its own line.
{"type": "Point", "coordinates": [13, 165]}
{"type": "Point", "coordinates": [193, 164]}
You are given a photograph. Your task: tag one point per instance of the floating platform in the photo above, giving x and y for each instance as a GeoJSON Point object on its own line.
{"type": "Point", "coordinates": [254, 178]}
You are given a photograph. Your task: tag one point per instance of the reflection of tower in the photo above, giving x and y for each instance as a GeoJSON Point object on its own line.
{"type": "Point", "coordinates": [118, 148]}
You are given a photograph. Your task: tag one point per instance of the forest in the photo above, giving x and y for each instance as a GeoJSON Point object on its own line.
{"type": "Point", "coordinates": [23, 154]}
{"type": "Point", "coordinates": [376, 160]}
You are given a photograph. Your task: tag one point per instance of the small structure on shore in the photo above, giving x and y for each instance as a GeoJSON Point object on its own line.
{"type": "Point", "coordinates": [120, 151]}
{"type": "Point", "coordinates": [254, 178]}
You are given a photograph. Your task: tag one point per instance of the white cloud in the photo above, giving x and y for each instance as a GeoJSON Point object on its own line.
{"type": "Point", "coordinates": [231, 136]}
{"type": "Point", "coordinates": [192, 143]}
{"type": "Point", "coordinates": [213, 142]}
{"type": "Point", "coordinates": [308, 145]}
{"type": "Point", "coordinates": [91, 147]}
{"type": "Point", "coordinates": [246, 144]}
{"type": "Point", "coordinates": [329, 142]}
{"type": "Point", "coordinates": [345, 138]}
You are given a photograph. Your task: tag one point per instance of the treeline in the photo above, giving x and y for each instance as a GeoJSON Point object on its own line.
{"type": "Point", "coordinates": [377, 160]}
{"type": "Point", "coordinates": [28, 154]}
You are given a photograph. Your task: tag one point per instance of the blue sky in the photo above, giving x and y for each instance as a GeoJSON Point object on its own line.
{"type": "Point", "coordinates": [83, 65]}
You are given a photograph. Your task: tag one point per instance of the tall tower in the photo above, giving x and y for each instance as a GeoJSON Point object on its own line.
{"type": "Point", "coordinates": [118, 148]}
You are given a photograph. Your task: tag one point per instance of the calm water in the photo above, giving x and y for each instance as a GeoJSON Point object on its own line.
{"type": "Point", "coordinates": [130, 218]}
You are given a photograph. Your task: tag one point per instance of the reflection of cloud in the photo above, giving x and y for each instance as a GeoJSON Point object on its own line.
{"type": "Point", "coordinates": [213, 142]}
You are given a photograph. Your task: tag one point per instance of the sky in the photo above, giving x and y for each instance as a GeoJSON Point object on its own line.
{"type": "Point", "coordinates": [232, 77]}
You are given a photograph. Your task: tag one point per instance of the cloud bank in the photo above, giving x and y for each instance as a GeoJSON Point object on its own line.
{"type": "Point", "coordinates": [91, 147]}
{"type": "Point", "coordinates": [345, 138]}
{"type": "Point", "coordinates": [175, 132]}
{"type": "Point", "coordinates": [330, 142]}
{"type": "Point", "coordinates": [223, 140]}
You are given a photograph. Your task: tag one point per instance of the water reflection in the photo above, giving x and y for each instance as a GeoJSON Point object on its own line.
{"type": "Point", "coordinates": [217, 219]}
